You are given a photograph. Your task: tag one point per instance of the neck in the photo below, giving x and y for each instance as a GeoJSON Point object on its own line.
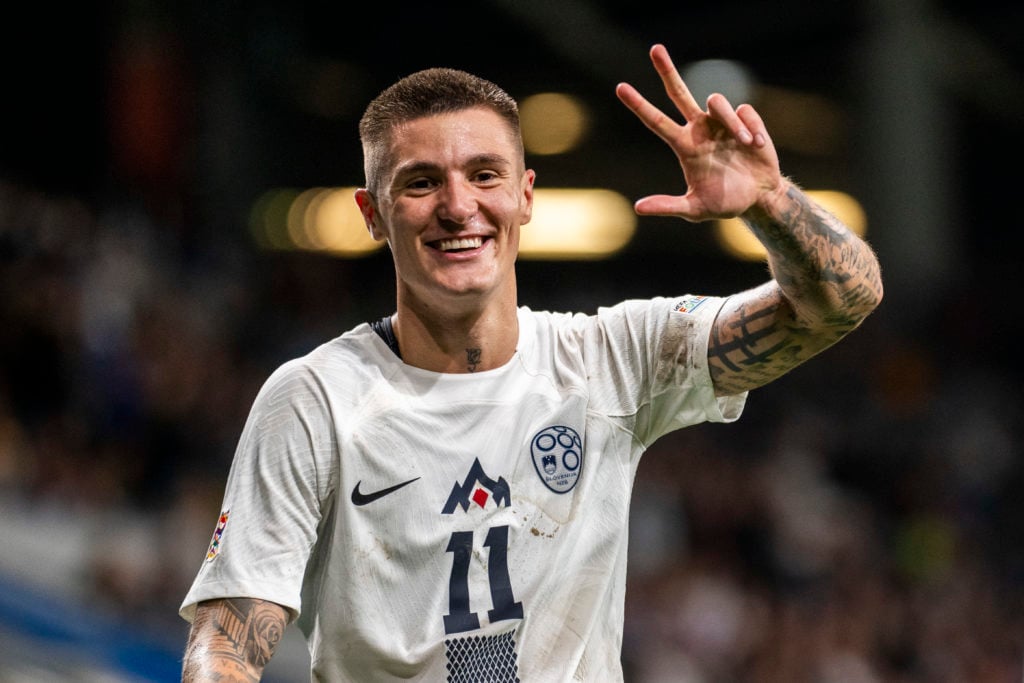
{"type": "Point", "coordinates": [457, 342]}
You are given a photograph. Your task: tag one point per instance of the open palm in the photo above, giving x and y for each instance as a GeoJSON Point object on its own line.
{"type": "Point", "coordinates": [727, 158]}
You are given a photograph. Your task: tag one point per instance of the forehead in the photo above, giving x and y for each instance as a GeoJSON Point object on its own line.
{"type": "Point", "coordinates": [449, 136]}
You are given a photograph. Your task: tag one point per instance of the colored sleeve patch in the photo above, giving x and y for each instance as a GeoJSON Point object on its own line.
{"type": "Point", "coordinates": [218, 533]}
{"type": "Point", "coordinates": [689, 304]}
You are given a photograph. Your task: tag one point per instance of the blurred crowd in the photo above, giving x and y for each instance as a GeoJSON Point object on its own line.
{"type": "Point", "coordinates": [860, 523]}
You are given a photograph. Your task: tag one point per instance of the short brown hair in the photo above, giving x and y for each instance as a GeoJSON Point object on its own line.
{"type": "Point", "coordinates": [427, 93]}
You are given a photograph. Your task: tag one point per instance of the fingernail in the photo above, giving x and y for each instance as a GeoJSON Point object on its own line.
{"type": "Point", "coordinates": [745, 137]}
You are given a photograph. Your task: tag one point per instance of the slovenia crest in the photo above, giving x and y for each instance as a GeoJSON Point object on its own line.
{"type": "Point", "coordinates": [557, 453]}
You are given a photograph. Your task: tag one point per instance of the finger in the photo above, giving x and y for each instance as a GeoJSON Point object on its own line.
{"type": "Point", "coordinates": [722, 111]}
{"type": "Point", "coordinates": [675, 87]}
{"type": "Point", "coordinates": [752, 120]}
{"type": "Point", "coordinates": [662, 125]}
{"type": "Point", "coordinates": [667, 205]}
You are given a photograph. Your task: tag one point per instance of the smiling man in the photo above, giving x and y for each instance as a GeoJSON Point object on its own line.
{"type": "Point", "coordinates": [443, 493]}
{"type": "Point", "coordinates": [449, 197]}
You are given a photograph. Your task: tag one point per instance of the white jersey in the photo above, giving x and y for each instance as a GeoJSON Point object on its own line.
{"type": "Point", "coordinates": [460, 527]}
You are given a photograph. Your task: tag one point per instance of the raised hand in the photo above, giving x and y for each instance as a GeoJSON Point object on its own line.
{"type": "Point", "coordinates": [729, 162]}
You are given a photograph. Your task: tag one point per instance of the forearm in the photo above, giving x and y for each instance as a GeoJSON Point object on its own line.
{"type": "Point", "coordinates": [232, 639]}
{"type": "Point", "coordinates": [828, 275]}
{"type": "Point", "coordinates": [204, 665]}
{"type": "Point", "coordinates": [826, 281]}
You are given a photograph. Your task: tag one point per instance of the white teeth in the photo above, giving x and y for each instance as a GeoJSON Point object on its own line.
{"type": "Point", "coordinates": [463, 243]}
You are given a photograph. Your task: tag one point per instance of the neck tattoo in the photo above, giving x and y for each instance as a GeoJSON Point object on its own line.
{"type": "Point", "coordinates": [472, 359]}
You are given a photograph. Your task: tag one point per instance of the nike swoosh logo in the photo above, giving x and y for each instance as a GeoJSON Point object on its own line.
{"type": "Point", "coordinates": [360, 498]}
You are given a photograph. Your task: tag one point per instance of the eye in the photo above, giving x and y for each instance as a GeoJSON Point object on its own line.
{"type": "Point", "coordinates": [486, 177]}
{"type": "Point", "coordinates": [420, 184]}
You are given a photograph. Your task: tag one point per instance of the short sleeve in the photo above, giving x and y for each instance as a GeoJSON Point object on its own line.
{"type": "Point", "coordinates": [655, 355]}
{"type": "Point", "coordinates": [271, 509]}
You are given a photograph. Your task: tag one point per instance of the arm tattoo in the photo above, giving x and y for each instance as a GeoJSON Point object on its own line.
{"type": "Point", "coordinates": [473, 359]}
{"type": "Point", "coordinates": [250, 629]}
{"type": "Point", "coordinates": [233, 639]}
{"type": "Point", "coordinates": [816, 260]}
{"type": "Point", "coordinates": [749, 345]}
{"type": "Point", "coordinates": [826, 281]}
{"type": "Point", "coordinates": [748, 339]}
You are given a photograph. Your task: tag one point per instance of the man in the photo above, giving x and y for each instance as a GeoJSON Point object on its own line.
{"type": "Point", "coordinates": [443, 494]}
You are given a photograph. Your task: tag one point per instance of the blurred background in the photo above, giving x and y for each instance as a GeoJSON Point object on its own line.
{"type": "Point", "coordinates": [862, 522]}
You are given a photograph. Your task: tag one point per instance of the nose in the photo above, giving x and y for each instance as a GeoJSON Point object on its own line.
{"type": "Point", "coordinates": [457, 204]}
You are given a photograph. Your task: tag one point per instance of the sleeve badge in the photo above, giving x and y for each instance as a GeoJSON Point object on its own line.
{"type": "Point", "coordinates": [222, 523]}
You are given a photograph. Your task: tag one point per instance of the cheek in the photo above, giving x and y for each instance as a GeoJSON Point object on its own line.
{"type": "Point", "coordinates": [525, 212]}
{"type": "Point", "coordinates": [513, 241]}
{"type": "Point", "coordinates": [410, 216]}
{"type": "Point", "coordinates": [402, 226]}
{"type": "Point", "coordinates": [513, 209]}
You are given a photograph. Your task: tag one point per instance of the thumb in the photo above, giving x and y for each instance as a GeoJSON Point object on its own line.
{"type": "Point", "coordinates": [666, 205]}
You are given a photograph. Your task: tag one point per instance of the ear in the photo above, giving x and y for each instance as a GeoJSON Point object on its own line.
{"type": "Point", "coordinates": [368, 207]}
{"type": "Point", "coordinates": [527, 196]}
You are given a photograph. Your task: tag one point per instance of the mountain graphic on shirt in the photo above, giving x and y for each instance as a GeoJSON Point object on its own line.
{"type": "Point", "coordinates": [477, 488]}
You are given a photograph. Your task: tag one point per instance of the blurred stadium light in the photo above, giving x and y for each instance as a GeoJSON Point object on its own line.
{"type": "Point", "coordinates": [567, 223]}
{"type": "Point", "coordinates": [552, 123]}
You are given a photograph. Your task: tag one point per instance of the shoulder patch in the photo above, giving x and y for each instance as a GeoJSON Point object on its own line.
{"type": "Point", "coordinates": [689, 304]}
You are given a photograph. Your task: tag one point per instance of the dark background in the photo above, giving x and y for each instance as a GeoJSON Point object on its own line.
{"type": "Point", "coordinates": [859, 523]}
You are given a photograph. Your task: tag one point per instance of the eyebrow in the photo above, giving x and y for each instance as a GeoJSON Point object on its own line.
{"type": "Point", "coordinates": [487, 159]}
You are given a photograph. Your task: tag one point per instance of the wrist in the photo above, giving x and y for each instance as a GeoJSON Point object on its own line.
{"type": "Point", "coordinates": [773, 203]}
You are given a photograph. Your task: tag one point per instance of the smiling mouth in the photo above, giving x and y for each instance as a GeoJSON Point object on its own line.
{"type": "Point", "coordinates": [459, 244]}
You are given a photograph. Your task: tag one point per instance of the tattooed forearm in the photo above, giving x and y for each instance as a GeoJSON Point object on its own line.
{"type": "Point", "coordinates": [232, 639]}
{"type": "Point", "coordinates": [749, 338]}
{"type": "Point", "coordinates": [826, 281]}
{"type": "Point", "coordinates": [829, 274]}
{"type": "Point", "coordinates": [750, 344]}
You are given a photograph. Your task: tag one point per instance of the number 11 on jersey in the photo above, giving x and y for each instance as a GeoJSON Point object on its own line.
{"type": "Point", "coordinates": [460, 545]}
